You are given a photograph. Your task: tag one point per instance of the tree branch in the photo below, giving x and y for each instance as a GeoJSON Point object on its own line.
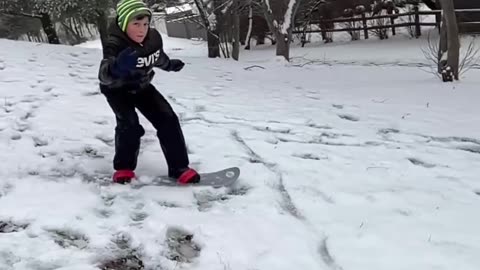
{"type": "Point", "coordinates": [20, 14]}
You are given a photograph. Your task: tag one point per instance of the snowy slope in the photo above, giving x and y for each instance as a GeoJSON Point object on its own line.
{"type": "Point", "coordinates": [343, 166]}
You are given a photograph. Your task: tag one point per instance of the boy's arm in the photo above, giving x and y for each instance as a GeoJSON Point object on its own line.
{"type": "Point", "coordinates": [110, 51]}
{"type": "Point", "coordinates": [163, 61]}
{"type": "Point", "coordinates": [167, 64]}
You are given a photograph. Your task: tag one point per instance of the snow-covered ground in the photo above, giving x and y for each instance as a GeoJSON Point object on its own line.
{"type": "Point", "coordinates": [342, 166]}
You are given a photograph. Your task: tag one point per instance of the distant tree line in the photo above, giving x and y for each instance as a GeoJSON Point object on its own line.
{"type": "Point", "coordinates": [229, 23]}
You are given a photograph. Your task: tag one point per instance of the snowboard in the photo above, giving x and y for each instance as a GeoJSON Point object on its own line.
{"type": "Point", "coordinates": [221, 178]}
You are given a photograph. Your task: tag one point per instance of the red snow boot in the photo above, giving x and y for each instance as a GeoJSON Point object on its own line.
{"type": "Point", "coordinates": [188, 176]}
{"type": "Point", "coordinates": [123, 176]}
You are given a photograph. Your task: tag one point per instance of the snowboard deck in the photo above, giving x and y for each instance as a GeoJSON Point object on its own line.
{"type": "Point", "coordinates": [221, 178]}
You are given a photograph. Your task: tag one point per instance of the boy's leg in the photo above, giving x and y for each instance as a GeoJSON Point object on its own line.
{"type": "Point", "coordinates": [127, 132]}
{"type": "Point", "coordinates": [159, 112]}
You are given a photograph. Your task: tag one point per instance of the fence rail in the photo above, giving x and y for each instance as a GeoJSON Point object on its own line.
{"type": "Point", "coordinates": [362, 21]}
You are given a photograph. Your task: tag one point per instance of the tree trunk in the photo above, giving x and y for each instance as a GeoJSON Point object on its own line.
{"type": "Point", "coordinates": [452, 36]}
{"type": "Point", "coordinates": [250, 27]}
{"type": "Point", "coordinates": [283, 48]}
{"type": "Point", "coordinates": [236, 30]}
{"type": "Point", "coordinates": [49, 29]}
{"type": "Point", "coordinates": [281, 18]}
{"type": "Point", "coordinates": [213, 39]}
{"type": "Point", "coordinates": [213, 45]}
{"type": "Point", "coordinates": [442, 47]}
{"type": "Point", "coordinates": [453, 41]}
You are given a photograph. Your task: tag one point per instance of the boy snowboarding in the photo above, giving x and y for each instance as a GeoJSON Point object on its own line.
{"type": "Point", "coordinates": [125, 75]}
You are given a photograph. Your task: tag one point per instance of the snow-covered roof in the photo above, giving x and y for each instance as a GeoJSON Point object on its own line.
{"type": "Point", "coordinates": [178, 9]}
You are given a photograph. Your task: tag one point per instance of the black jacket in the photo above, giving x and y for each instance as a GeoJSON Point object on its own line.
{"type": "Point", "coordinates": [150, 54]}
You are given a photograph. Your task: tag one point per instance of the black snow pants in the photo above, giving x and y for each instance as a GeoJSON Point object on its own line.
{"type": "Point", "coordinates": [128, 130]}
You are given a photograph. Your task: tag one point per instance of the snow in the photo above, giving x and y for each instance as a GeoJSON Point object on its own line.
{"type": "Point", "coordinates": [178, 9]}
{"type": "Point", "coordinates": [267, 3]}
{"type": "Point", "coordinates": [287, 20]}
{"type": "Point", "coordinates": [352, 163]}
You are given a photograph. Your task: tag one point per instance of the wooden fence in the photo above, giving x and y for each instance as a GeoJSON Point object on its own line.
{"type": "Point", "coordinates": [381, 23]}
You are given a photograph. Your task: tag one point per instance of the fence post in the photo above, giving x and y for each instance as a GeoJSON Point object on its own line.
{"type": "Point", "coordinates": [392, 23]}
{"type": "Point", "coordinates": [365, 30]}
{"type": "Point", "coordinates": [187, 31]}
{"type": "Point", "coordinates": [418, 30]}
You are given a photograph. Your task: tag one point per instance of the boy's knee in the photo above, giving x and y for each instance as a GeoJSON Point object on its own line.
{"type": "Point", "coordinates": [130, 129]}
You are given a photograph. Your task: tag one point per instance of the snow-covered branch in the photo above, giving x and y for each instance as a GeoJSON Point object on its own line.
{"type": "Point", "coordinates": [287, 20]}
{"type": "Point", "coordinates": [267, 3]}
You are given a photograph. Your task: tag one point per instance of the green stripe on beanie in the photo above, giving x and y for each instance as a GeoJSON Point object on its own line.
{"type": "Point", "coordinates": [129, 9]}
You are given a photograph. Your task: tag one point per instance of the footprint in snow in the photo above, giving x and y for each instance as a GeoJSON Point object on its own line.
{"type": "Point", "coordinates": [73, 74]}
{"type": "Point", "coordinates": [418, 162]}
{"type": "Point", "coordinates": [125, 262]}
{"type": "Point", "coordinates": [9, 259]}
{"type": "Point", "coordinates": [29, 99]}
{"type": "Point", "coordinates": [181, 246]}
{"type": "Point", "coordinates": [16, 137]}
{"type": "Point", "coordinates": [101, 122]}
{"type": "Point", "coordinates": [47, 89]}
{"type": "Point", "coordinates": [89, 65]}
{"type": "Point", "coordinates": [3, 126]}
{"type": "Point", "coordinates": [8, 226]}
{"type": "Point", "coordinates": [218, 87]}
{"type": "Point", "coordinates": [125, 256]}
{"type": "Point", "coordinates": [108, 199]}
{"type": "Point", "coordinates": [348, 117]}
{"type": "Point", "coordinates": [22, 126]}
{"type": "Point", "coordinates": [39, 142]}
{"type": "Point", "coordinates": [199, 108]}
{"type": "Point", "coordinates": [310, 156]}
{"type": "Point", "coordinates": [67, 238]}
{"type": "Point", "coordinates": [103, 212]}
{"type": "Point", "coordinates": [106, 139]}
{"type": "Point", "coordinates": [138, 217]}
{"type": "Point", "coordinates": [5, 189]}
{"type": "Point", "coordinates": [214, 94]}
{"type": "Point", "coordinates": [91, 93]}
{"type": "Point", "coordinates": [238, 190]}
{"type": "Point", "coordinates": [313, 96]}
{"type": "Point", "coordinates": [167, 204]}
{"type": "Point", "coordinates": [206, 199]}
{"type": "Point", "coordinates": [26, 115]}
{"type": "Point", "coordinates": [472, 148]}
{"type": "Point", "coordinates": [403, 212]}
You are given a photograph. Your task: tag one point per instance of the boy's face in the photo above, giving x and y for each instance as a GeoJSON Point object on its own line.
{"type": "Point", "coordinates": [137, 29]}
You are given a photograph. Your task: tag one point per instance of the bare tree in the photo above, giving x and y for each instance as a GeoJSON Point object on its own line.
{"type": "Point", "coordinates": [280, 15]}
{"type": "Point", "coordinates": [236, 29]}
{"type": "Point", "coordinates": [37, 10]}
{"type": "Point", "coordinates": [449, 53]}
{"type": "Point", "coordinates": [210, 15]}
{"type": "Point", "coordinates": [469, 55]}
{"type": "Point", "coordinates": [70, 15]}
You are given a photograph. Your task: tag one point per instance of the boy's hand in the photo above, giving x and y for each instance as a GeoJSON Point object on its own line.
{"type": "Point", "coordinates": [125, 62]}
{"type": "Point", "coordinates": [175, 65]}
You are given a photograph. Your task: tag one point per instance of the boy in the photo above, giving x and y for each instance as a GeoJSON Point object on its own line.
{"type": "Point", "coordinates": [125, 74]}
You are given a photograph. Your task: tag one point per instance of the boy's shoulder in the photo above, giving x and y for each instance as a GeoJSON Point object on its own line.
{"type": "Point", "coordinates": [154, 39]}
{"type": "Point", "coordinates": [154, 33]}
